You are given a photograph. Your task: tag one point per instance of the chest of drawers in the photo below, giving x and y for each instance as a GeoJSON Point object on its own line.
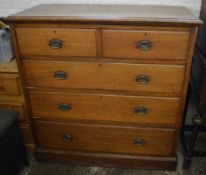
{"type": "Point", "coordinates": [105, 84]}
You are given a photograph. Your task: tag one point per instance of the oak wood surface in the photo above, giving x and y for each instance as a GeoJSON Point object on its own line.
{"type": "Point", "coordinates": [164, 44]}
{"type": "Point", "coordinates": [112, 76]}
{"type": "Point", "coordinates": [170, 72]}
{"type": "Point", "coordinates": [10, 67]}
{"type": "Point", "coordinates": [102, 107]}
{"type": "Point", "coordinates": [9, 84]}
{"type": "Point", "coordinates": [105, 138]}
{"type": "Point", "coordinates": [107, 13]}
{"type": "Point", "coordinates": [76, 42]}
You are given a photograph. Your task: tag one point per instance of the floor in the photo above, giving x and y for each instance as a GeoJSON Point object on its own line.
{"type": "Point", "coordinates": [198, 167]}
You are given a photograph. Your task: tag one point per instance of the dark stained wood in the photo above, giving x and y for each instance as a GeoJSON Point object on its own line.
{"type": "Point", "coordinates": [104, 138]}
{"type": "Point", "coordinates": [110, 76]}
{"type": "Point", "coordinates": [106, 159]}
{"type": "Point", "coordinates": [107, 13]}
{"type": "Point", "coordinates": [103, 107]}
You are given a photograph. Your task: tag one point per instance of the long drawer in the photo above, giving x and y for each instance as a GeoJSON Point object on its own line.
{"type": "Point", "coordinates": [101, 107]}
{"type": "Point", "coordinates": [104, 138]}
{"type": "Point", "coordinates": [57, 41]}
{"type": "Point", "coordinates": [170, 45]}
{"type": "Point", "coordinates": [109, 76]}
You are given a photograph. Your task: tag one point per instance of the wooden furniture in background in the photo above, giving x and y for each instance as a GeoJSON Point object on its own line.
{"type": "Point", "coordinates": [11, 97]}
{"type": "Point", "coordinates": [105, 87]}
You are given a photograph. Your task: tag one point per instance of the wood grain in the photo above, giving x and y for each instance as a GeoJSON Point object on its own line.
{"type": "Point", "coordinates": [164, 44]}
{"type": "Point", "coordinates": [10, 67]}
{"type": "Point", "coordinates": [9, 84]}
{"type": "Point", "coordinates": [102, 107]}
{"type": "Point", "coordinates": [133, 14]}
{"type": "Point", "coordinates": [76, 42]}
{"type": "Point", "coordinates": [105, 138]}
{"type": "Point", "coordinates": [110, 76]}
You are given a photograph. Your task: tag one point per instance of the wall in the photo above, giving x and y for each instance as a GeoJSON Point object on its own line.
{"type": "Point", "coordinates": [8, 7]}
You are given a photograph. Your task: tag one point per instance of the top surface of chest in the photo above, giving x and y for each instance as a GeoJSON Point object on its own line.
{"type": "Point", "coordinates": [130, 14]}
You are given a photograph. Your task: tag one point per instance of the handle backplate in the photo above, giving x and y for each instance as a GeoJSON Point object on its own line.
{"type": "Point", "coordinates": [60, 75]}
{"type": "Point", "coordinates": [64, 106]}
{"type": "Point", "coordinates": [142, 79]}
{"type": "Point", "coordinates": [67, 138]}
{"type": "Point", "coordinates": [139, 142]}
{"type": "Point", "coordinates": [141, 111]}
{"type": "Point", "coordinates": [144, 45]}
{"type": "Point", "coordinates": [55, 43]}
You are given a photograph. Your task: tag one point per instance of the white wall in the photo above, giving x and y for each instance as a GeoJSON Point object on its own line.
{"type": "Point", "coordinates": [8, 7]}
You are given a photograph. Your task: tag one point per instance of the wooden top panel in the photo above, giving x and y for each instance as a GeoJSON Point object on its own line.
{"type": "Point", "coordinates": [107, 13]}
{"type": "Point", "coordinates": [10, 67]}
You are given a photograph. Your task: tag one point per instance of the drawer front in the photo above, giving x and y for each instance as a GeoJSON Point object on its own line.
{"type": "Point", "coordinates": [9, 84]}
{"type": "Point", "coordinates": [106, 76]}
{"type": "Point", "coordinates": [17, 106]}
{"type": "Point", "coordinates": [129, 109]}
{"type": "Point", "coordinates": [105, 138]}
{"type": "Point", "coordinates": [145, 44]}
{"type": "Point", "coordinates": [57, 41]}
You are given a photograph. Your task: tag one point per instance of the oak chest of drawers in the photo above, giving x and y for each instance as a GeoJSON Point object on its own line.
{"type": "Point", "coordinates": [105, 84]}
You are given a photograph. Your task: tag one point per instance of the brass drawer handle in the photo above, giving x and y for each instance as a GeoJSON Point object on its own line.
{"type": "Point", "coordinates": [142, 79]}
{"type": "Point", "coordinates": [55, 43]}
{"type": "Point", "coordinates": [144, 45]}
{"type": "Point", "coordinates": [67, 138]}
{"type": "Point", "coordinates": [141, 111]}
{"type": "Point", "coordinates": [64, 106]}
{"type": "Point", "coordinates": [60, 75]}
{"type": "Point", "coordinates": [139, 142]}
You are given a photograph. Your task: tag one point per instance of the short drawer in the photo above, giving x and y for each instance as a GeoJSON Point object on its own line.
{"type": "Point", "coordinates": [145, 44]}
{"type": "Point", "coordinates": [57, 41]}
{"type": "Point", "coordinates": [105, 138]}
{"type": "Point", "coordinates": [9, 84]}
{"type": "Point", "coordinates": [116, 108]}
{"type": "Point", "coordinates": [106, 76]}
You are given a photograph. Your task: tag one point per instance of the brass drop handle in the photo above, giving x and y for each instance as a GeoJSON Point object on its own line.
{"type": "Point", "coordinates": [141, 111]}
{"type": "Point", "coordinates": [55, 43]}
{"type": "Point", "coordinates": [64, 106]}
{"type": "Point", "coordinates": [60, 75]}
{"type": "Point", "coordinates": [144, 45]}
{"type": "Point", "coordinates": [142, 79]}
{"type": "Point", "coordinates": [139, 142]}
{"type": "Point", "coordinates": [67, 138]}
